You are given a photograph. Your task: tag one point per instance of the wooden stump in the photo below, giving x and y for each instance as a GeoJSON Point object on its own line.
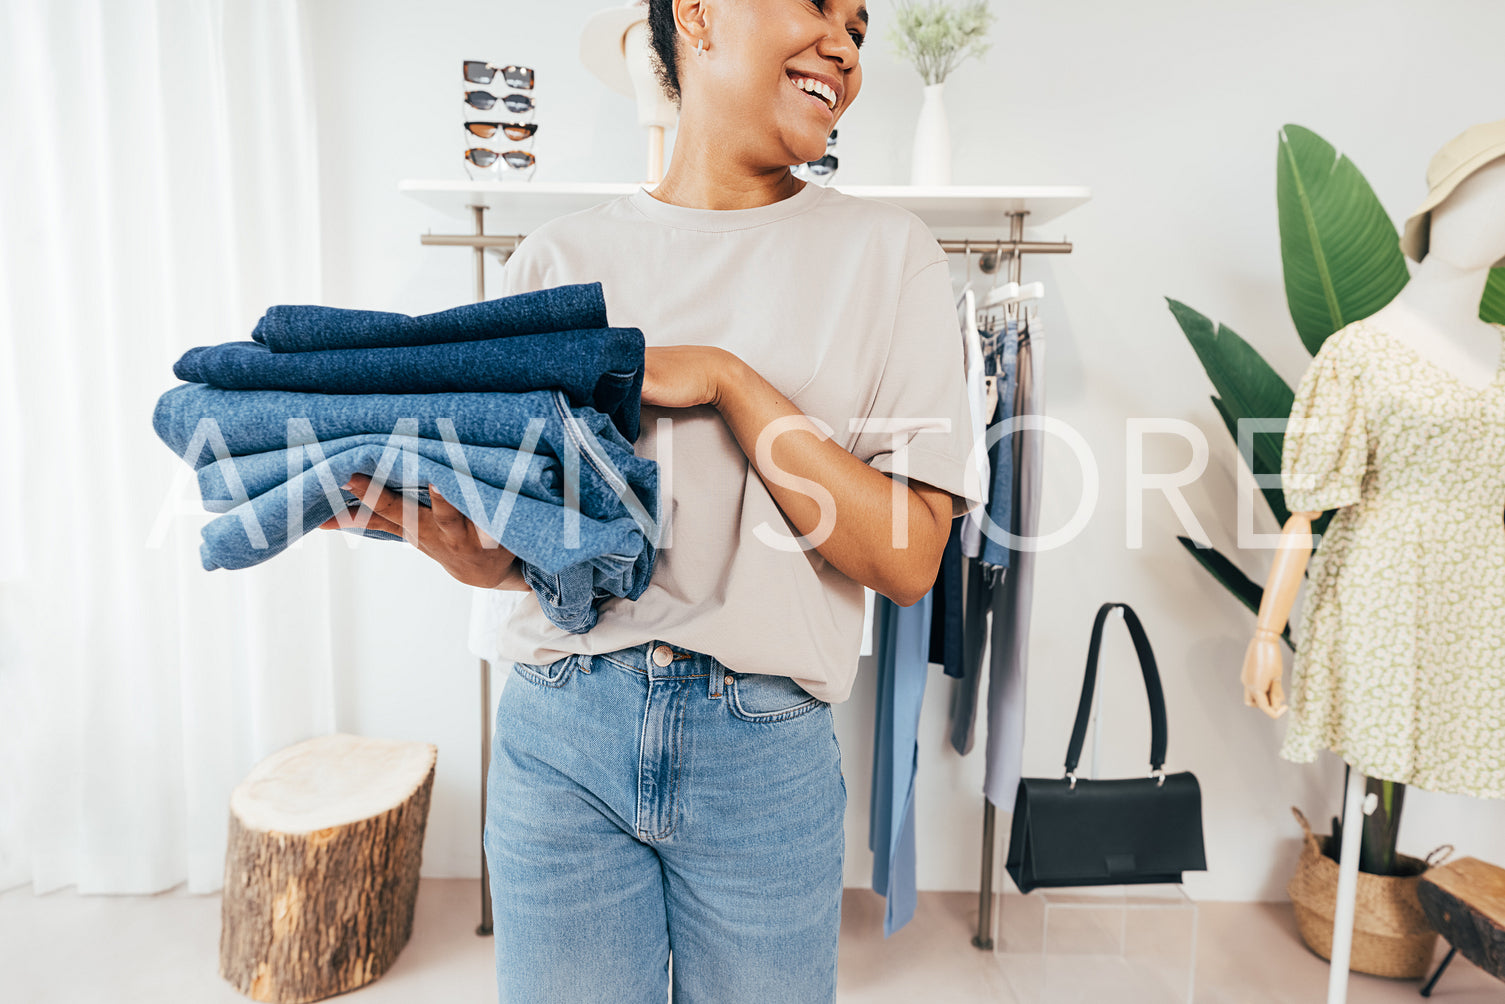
{"type": "Point", "coordinates": [321, 871]}
{"type": "Point", "coordinates": [1465, 902]}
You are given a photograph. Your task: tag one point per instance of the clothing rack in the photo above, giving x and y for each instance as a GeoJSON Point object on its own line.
{"type": "Point", "coordinates": [1015, 247]}
{"type": "Point", "coordinates": [992, 254]}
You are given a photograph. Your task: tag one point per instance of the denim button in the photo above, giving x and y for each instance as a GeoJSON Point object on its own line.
{"type": "Point", "coordinates": [727, 679]}
{"type": "Point", "coordinates": [663, 655]}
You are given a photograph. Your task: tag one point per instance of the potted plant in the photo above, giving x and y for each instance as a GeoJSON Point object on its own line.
{"type": "Point", "coordinates": [1342, 261]}
{"type": "Point", "coordinates": [936, 37]}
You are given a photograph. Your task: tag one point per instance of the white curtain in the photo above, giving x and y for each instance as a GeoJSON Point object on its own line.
{"type": "Point", "coordinates": [158, 189]}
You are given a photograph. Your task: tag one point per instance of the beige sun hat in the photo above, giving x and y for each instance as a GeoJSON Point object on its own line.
{"type": "Point", "coordinates": [601, 43]}
{"type": "Point", "coordinates": [1460, 157]}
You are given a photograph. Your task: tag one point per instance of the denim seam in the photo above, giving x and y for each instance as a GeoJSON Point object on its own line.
{"type": "Point", "coordinates": [619, 662]}
{"type": "Point", "coordinates": [526, 671]}
{"type": "Point", "coordinates": [642, 750]}
{"type": "Point", "coordinates": [603, 466]}
{"type": "Point", "coordinates": [768, 716]}
{"type": "Point", "coordinates": [679, 731]}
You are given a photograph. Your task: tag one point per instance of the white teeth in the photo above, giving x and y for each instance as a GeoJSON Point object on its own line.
{"type": "Point", "coordinates": [817, 88]}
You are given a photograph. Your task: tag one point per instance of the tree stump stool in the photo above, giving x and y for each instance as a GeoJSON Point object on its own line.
{"type": "Point", "coordinates": [321, 871]}
{"type": "Point", "coordinates": [1465, 902]}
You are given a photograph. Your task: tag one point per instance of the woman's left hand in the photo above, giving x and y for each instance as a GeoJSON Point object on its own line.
{"type": "Point", "coordinates": [683, 376]}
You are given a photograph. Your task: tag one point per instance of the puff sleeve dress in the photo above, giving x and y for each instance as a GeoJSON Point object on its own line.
{"type": "Point", "coordinates": [1400, 661]}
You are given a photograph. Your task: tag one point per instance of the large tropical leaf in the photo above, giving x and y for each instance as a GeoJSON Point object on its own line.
{"type": "Point", "coordinates": [1493, 307]}
{"type": "Point", "coordinates": [1261, 462]}
{"type": "Point", "coordinates": [1248, 386]}
{"type": "Point", "coordinates": [1341, 253]}
{"type": "Point", "coordinates": [1235, 581]}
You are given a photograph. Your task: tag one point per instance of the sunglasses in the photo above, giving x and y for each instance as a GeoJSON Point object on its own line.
{"type": "Point", "coordinates": [478, 71]}
{"type": "Point", "coordinates": [517, 104]}
{"type": "Point", "coordinates": [512, 130]}
{"type": "Point", "coordinates": [519, 160]}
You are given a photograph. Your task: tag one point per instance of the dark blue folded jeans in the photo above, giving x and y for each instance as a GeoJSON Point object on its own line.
{"type": "Point", "coordinates": [598, 367]}
{"type": "Point", "coordinates": [292, 328]}
{"type": "Point", "coordinates": [566, 495]}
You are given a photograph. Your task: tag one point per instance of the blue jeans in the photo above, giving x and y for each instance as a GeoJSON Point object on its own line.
{"type": "Point", "coordinates": [601, 368]}
{"type": "Point", "coordinates": [295, 328]}
{"type": "Point", "coordinates": [634, 809]}
{"type": "Point", "coordinates": [570, 563]}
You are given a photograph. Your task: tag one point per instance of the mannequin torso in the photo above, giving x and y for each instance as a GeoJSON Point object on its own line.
{"type": "Point", "coordinates": [1436, 316]}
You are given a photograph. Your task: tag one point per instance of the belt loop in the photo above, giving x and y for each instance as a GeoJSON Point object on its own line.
{"type": "Point", "coordinates": [714, 681]}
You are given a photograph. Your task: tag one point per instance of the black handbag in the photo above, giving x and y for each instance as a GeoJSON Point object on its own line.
{"type": "Point", "coordinates": [1074, 831]}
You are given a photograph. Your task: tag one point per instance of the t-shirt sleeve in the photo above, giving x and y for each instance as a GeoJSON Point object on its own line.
{"type": "Point", "coordinates": [1325, 454]}
{"type": "Point", "coordinates": [920, 424]}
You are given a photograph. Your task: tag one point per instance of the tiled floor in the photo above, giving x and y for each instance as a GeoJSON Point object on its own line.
{"type": "Point", "coordinates": [81, 950]}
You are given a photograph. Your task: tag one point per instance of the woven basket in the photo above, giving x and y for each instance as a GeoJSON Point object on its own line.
{"type": "Point", "coordinates": [1391, 936]}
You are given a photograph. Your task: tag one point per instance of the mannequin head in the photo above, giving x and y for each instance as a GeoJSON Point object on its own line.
{"type": "Point", "coordinates": [654, 106]}
{"type": "Point", "coordinates": [1468, 228]}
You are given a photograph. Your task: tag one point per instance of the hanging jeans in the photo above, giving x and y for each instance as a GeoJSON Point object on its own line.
{"type": "Point", "coordinates": [903, 641]}
{"type": "Point", "coordinates": [1001, 457]}
{"type": "Point", "coordinates": [294, 328]}
{"type": "Point", "coordinates": [1013, 598]}
{"type": "Point", "coordinates": [601, 368]}
{"type": "Point", "coordinates": [652, 800]}
{"type": "Point", "coordinates": [592, 535]}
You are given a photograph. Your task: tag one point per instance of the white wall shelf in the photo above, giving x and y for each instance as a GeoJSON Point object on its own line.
{"type": "Point", "coordinates": [977, 212]}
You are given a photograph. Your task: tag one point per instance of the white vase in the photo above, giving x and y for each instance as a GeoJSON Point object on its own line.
{"type": "Point", "coordinates": [931, 161]}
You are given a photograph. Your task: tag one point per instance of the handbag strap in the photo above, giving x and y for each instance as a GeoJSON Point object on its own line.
{"type": "Point", "coordinates": [1151, 686]}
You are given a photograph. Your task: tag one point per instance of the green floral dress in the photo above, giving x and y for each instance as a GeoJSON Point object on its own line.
{"type": "Point", "coordinates": [1400, 662]}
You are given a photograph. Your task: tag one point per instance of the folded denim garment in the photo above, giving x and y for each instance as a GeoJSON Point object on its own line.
{"type": "Point", "coordinates": [225, 484]}
{"type": "Point", "coordinates": [292, 328]}
{"type": "Point", "coordinates": [605, 546]}
{"type": "Point", "coordinates": [599, 367]}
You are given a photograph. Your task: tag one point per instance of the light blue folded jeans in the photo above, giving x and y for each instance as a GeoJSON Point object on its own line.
{"type": "Point", "coordinates": [649, 801]}
{"type": "Point", "coordinates": [592, 536]}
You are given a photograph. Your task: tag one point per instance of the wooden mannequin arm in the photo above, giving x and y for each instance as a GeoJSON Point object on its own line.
{"type": "Point", "coordinates": [1263, 664]}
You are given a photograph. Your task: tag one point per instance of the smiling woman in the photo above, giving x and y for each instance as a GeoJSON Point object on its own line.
{"type": "Point", "coordinates": [671, 778]}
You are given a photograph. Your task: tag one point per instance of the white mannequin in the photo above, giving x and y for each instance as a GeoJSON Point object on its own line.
{"type": "Point", "coordinates": [1437, 314]}
{"type": "Point", "coordinates": [655, 111]}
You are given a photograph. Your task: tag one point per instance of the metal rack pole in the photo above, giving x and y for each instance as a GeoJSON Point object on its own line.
{"type": "Point", "coordinates": [484, 929]}
{"type": "Point", "coordinates": [984, 937]}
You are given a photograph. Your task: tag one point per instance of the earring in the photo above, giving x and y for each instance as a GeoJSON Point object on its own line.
{"type": "Point", "coordinates": [700, 47]}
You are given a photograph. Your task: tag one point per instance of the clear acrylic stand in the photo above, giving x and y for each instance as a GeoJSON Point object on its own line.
{"type": "Point", "coordinates": [1126, 944]}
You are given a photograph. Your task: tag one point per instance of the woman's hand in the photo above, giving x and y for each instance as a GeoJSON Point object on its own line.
{"type": "Point", "coordinates": [682, 376]}
{"type": "Point", "coordinates": [442, 532]}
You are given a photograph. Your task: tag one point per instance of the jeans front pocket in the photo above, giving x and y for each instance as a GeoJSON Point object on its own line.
{"type": "Point", "coordinates": [762, 697]}
{"type": "Point", "coordinates": [553, 674]}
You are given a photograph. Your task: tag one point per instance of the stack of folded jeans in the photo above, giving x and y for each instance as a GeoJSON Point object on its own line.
{"type": "Point", "coordinates": [520, 411]}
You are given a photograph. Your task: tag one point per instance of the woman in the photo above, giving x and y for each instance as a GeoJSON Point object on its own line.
{"type": "Point", "coordinates": [670, 780]}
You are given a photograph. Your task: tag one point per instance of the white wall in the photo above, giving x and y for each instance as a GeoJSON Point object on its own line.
{"type": "Point", "coordinates": [1169, 111]}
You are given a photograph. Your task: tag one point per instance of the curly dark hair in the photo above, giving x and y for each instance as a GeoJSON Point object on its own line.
{"type": "Point", "coordinates": [663, 39]}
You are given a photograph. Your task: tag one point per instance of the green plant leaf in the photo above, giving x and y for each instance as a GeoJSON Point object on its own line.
{"type": "Point", "coordinates": [1341, 253]}
{"type": "Point", "coordinates": [1236, 582]}
{"type": "Point", "coordinates": [1247, 385]}
{"type": "Point", "coordinates": [1266, 460]}
{"type": "Point", "coordinates": [1492, 308]}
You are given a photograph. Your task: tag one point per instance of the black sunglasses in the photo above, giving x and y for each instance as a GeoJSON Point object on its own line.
{"type": "Point", "coordinates": [512, 130]}
{"type": "Point", "coordinates": [517, 104]}
{"type": "Point", "coordinates": [517, 159]}
{"type": "Point", "coordinates": [478, 71]}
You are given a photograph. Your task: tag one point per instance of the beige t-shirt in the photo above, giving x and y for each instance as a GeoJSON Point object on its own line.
{"type": "Point", "coordinates": [843, 304]}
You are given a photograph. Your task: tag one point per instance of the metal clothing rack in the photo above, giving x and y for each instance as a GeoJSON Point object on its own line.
{"type": "Point", "coordinates": [992, 255]}
{"type": "Point", "coordinates": [1016, 247]}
